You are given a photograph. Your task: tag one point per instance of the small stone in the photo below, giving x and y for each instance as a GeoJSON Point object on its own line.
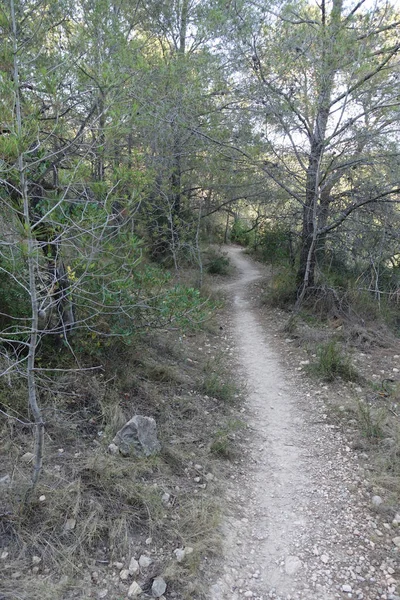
{"type": "Point", "coordinates": [135, 590]}
{"type": "Point", "coordinates": [292, 565]}
{"type": "Point", "coordinates": [42, 498]}
{"type": "Point", "coordinates": [165, 498]}
{"type": "Point", "coordinates": [124, 574]}
{"type": "Point", "coordinates": [179, 554]}
{"type": "Point", "coordinates": [134, 566]}
{"type": "Point", "coordinates": [149, 541]}
{"type": "Point", "coordinates": [158, 588]}
{"type": "Point", "coordinates": [248, 594]}
{"type": "Point", "coordinates": [4, 555]}
{"type": "Point", "coordinates": [27, 457]}
{"type": "Point", "coordinates": [5, 480]}
{"type": "Point", "coordinates": [113, 448]}
{"type": "Point", "coordinates": [396, 541]}
{"type": "Point", "coordinates": [70, 524]}
{"type": "Point", "coordinates": [102, 594]}
{"type": "Point", "coordinates": [16, 575]}
{"type": "Point", "coordinates": [209, 477]}
{"type": "Point", "coordinates": [376, 501]}
{"type": "Point", "coordinates": [145, 561]}
{"type": "Point", "coordinates": [118, 565]}
{"type": "Point", "coordinates": [36, 560]}
{"type": "Point", "coordinates": [325, 558]}
{"type": "Point", "coordinates": [35, 570]}
{"type": "Point", "coordinates": [346, 588]}
{"type": "Point", "coordinates": [395, 370]}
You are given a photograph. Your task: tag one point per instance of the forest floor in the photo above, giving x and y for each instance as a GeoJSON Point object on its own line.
{"type": "Point", "coordinates": [312, 504]}
{"type": "Point", "coordinates": [305, 473]}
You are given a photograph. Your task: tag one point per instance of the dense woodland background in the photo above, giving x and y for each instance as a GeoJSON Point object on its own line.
{"type": "Point", "coordinates": [133, 133]}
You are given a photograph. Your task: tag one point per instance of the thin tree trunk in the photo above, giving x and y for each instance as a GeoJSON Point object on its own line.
{"type": "Point", "coordinates": [32, 251]}
{"type": "Point", "coordinates": [306, 271]}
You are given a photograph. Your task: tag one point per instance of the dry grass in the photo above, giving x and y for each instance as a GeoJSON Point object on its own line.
{"type": "Point", "coordinates": [100, 508]}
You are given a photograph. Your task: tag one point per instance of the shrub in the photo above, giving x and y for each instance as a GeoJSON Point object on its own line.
{"type": "Point", "coordinates": [217, 264]}
{"type": "Point", "coordinates": [215, 386]}
{"type": "Point", "coordinates": [276, 245]}
{"type": "Point", "coordinates": [282, 292]}
{"type": "Point", "coordinates": [222, 443]}
{"type": "Point", "coordinates": [370, 422]}
{"type": "Point", "coordinates": [332, 363]}
{"type": "Point", "coordinates": [240, 233]}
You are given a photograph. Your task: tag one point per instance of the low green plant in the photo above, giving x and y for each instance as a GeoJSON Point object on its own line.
{"type": "Point", "coordinates": [216, 386]}
{"type": "Point", "coordinates": [370, 422]}
{"type": "Point", "coordinates": [332, 363]}
{"type": "Point", "coordinates": [282, 292]}
{"type": "Point", "coordinates": [217, 381]}
{"type": "Point", "coordinates": [217, 263]}
{"type": "Point", "coordinates": [240, 233]}
{"type": "Point", "coordinates": [221, 445]}
{"type": "Point", "coordinates": [276, 245]}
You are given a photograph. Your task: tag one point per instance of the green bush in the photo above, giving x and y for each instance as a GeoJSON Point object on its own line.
{"type": "Point", "coordinates": [276, 245]}
{"type": "Point", "coordinates": [14, 298]}
{"type": "Point", "coordinates": [282, 292]}
{"type": "Point", "coordinates": [370, 422]}
{"type": "Point", "coordinates": [216, 386]}
{"type": "Point", "coordinates": [217, 264]}
{"type": "Point", "coordinates": [221, 445]}
{"type": "Point", "coordinates": [240, 233]}
{"type": "Point", "coordinates": [332, 363]}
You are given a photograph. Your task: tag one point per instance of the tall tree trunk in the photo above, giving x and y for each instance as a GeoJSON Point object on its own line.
{"type": "Point", "coordinates": [31, 259]}
{"type": "Point", "coordinates": [306, 271]}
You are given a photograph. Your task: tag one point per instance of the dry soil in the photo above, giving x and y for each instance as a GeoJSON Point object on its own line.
{"type": "Point", "coordinates": [302, 521]}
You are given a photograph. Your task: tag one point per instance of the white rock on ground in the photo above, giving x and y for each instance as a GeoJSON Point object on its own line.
{"type": "Point", "coordinates": [134, 590]}
{"type": "Point", "coordinates": [145, 561]}
{"type": "Point", "coordinates": [159, 587]}
{"type": "Point", "coordinates": [179, 554]}
{"type": "Point", "coordinates": [124, 574]}
{"type": "Point", "coordinates": [133, 566]}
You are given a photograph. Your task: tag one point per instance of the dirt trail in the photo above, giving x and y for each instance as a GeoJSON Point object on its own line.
{"type": "Point", "coordinates": [300, 522]}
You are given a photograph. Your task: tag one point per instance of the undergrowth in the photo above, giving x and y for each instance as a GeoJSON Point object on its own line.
{"type": "Point", "coordinates": [93, 508]}
{"type": "Point", "coordinates": [217, 263]}
{"type": "Point", "coordinates": [332, 363]}
{"type": "Point", "coordinates": [218, 383]}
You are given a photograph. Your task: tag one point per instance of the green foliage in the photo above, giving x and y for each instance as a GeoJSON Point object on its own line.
{"type": "Point", "coordinates": [332, 363]}
{"type": "Point", "coordinates": [217, 387]}
{"type": "Point", "coordinates": [370, 421]}
{"type": "Point", "coordinates": [14, 299]}
{"type": "Point", "coordinates": [240, 233]}
{"type": "Point", "coordinates": [275, 245]}
{"type": "Point", "coordinates": [122, 296]}
{"type": "Point", "coordinates": [216, 383]}
{"type": "Point", "coordinates": [282, 291]}
{"type": "Point", "coordinates": [222, 445]}
{"type": "Point", "coordinates": [217, 263]}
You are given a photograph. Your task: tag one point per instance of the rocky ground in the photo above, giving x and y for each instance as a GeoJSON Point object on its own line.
{"type": "Point", "coordinates": [310, 506]}
{"type": "Point", "coordinates": [305, 518]}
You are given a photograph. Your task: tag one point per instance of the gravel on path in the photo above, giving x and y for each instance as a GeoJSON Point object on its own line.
{"type": "Point", "coordinates": [301, 522]}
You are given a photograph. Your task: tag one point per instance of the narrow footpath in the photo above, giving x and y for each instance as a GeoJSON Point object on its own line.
{"type": "Point", "coordinates": [299, 522]}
